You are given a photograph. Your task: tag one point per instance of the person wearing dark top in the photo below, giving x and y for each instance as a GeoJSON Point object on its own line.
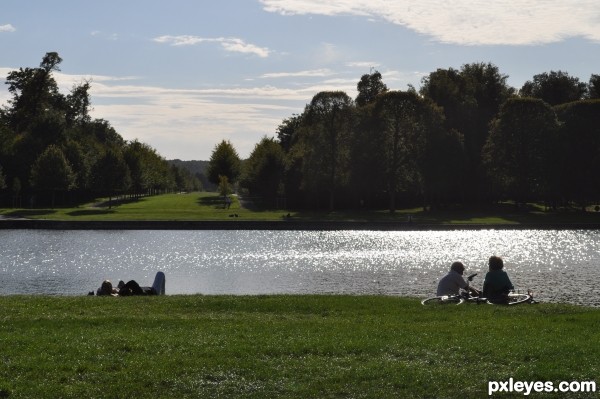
{"type": "Point", "coordinates": [133, 288]}
{"type": "Point", "coordinates": [497, 284]}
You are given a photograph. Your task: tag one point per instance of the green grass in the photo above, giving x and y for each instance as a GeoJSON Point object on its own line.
{"type": "Point", "coordinates": [209, 206]}
{"type": "Point", "coordinates": [286, 346]}
{"type": "Point", "coordinates": [193, 206]}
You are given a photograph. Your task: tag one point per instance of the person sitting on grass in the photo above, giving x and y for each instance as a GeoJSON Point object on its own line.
{"type": "Point", "coordinates": [496, 284]}
{"type": "Point", "coordinates": [452, 282]}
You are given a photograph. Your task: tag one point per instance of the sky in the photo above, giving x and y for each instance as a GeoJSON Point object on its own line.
{"type": "Point", "coordinates": [183, 75]}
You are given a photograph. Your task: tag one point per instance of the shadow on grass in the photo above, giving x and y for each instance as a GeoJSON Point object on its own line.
{"type": "Point", "coordinates": [24, 213]}
{"type": "Point", "coordinates": [116, 202]}
{"type": "Point", "coordinates": [505, 213]}
{"type": "Point", "coordinates": [90, 212]}
{"type": "Point", "coordinates": [215, 201]}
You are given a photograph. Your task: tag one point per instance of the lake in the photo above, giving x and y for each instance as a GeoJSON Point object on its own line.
{"type": "Point", "coordinates": [558, 265]}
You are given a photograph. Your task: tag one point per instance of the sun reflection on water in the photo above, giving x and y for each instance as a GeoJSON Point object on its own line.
{"type": "Point", "coordinates": [558, 265]}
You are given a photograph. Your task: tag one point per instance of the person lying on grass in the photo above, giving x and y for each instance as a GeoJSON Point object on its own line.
{"type": "Point", "coordinates": [133, 288]}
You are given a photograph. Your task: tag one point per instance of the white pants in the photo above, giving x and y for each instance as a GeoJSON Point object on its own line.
{"type": "Point", "coordinates": [159, 283]}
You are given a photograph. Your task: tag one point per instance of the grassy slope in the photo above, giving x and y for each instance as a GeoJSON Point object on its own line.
{"type": "Point", "coordinates": [286, 346]}
{"type": "Point", "coordinates": [208, 206]}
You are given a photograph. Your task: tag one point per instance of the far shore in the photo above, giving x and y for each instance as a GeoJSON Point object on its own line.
{"type": "Point", "coordinates": [41, 224]}
{"type": "Point", "coordinates": [208, 211]}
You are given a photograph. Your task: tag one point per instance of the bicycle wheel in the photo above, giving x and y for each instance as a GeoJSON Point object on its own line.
{"type": "Point", "coordinates": [443, 300]}
{"type": "Point", "coordinates": [512, 299]}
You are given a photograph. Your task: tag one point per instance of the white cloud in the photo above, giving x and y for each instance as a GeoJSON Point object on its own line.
{"type": "Point", "coordinates": [232, 44]}
{"type": "Point", "coordinates": [363, 64]}
{"type": "Point", "coordinates": [467, 22]}
{"type": "Point", "coordinates": [187, 124]}
{"type": "Point", "coordinates": [108, 36]}
{"type": "Point", "coordinates": [307, 74]}
{"type": "Point", "coordinates": [7, 28]}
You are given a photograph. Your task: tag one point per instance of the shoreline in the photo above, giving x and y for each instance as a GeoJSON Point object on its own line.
{"type": "Point", "coordinates": [41, 224]}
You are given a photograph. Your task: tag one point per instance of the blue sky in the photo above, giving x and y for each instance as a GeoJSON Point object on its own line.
{"type": "Point", "coordinates": [182, 75]}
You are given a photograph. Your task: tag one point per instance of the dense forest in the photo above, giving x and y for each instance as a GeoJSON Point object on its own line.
{"type": "Point", "coordinates": [465, 137]}
{"type": "Point", "coordinates": [53, 152]}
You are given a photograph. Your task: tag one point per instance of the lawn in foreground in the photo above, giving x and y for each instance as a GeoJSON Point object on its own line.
{"type": "Point", "coordinates": [286, 346]}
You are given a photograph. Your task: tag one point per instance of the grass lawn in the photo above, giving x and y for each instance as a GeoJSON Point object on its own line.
{"type": "Point", "coordinates": [287, 346]}
{"type": "Point", "coordinates": [192, 206]}
{"type": "Point", "coordinates": [209, 206]}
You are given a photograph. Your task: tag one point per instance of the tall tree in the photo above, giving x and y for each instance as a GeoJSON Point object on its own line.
{"type": "Point", "coordinates": [224, 161]}
{"type": "Point", "coordinates": [2, 179]}
{"type": "Point", "coordinates": [328, 125]}
{"type": "Point", "coordinates": [287, 131]}
{"type": "Point", "coordinates": [263, 171]}
{"type": "Point", "coordinates": [579, 144]}
{"type": "Point", "coordinates": [369, 86]}
{"type": "Point", "coordinates": [470, 97]}
{"type": "Point", "coordinates": [554, 88]}
{"type": "Point", "coordinates": [34, 91]}
{"type": "Point", "coordinates": [415, 149]}
{"type": "Point", "coordinates": [78, 104]}
{"type": "Point", "coordinates": [52, 172]}
{"type": "Point", "coordinates": [594, 87]}
{"type": "Point", "coordinates": [399, 140]}
{"type": "Point", "coordinates": [111, 175]}
{"type": "Point", "coordinates": [519, 153]}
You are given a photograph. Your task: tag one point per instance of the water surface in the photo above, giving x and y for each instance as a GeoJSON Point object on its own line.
{"type": "Point", "coordinates": [560, 266]}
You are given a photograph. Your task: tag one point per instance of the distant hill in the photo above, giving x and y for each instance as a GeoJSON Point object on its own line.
{"type": "Point", "coordinates": [198, 169]}
{"type": "Point", "coordinates": [193, 166]}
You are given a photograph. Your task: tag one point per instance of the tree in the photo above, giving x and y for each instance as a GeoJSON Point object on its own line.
{"type": "Point", "coordinates": [263, 170]}
{"type": "Point", "coordinates": [78, 104]}
{"type": "Point", "coordinates": [594, 87]}
{"type": "Point", "coordinates": [111, 174]}
{"type": "Point", "coordinates": [399, 140]}
{"type": "Point", "coordinates": [415, 149]}
{"type": "Point", "coordinates": [579, 144]}
{"type": "Point", "coordinates": [470, 97]}
{"type": "Point", "coordinates": [224, 161]}
{"type": "Point", "coordinates": [52, 172]}
{"type": "Point", "coordinates": [366, 178]}
{"type": "Point", "coordinates": [287, 131]}
{"type": "Point", "coordinates": [327, 128]}
{"type": "Point", "coordinates": [34, 91]}
{"type": "Point", "coordinates": [2, 179]}
{"type": "Point", "coordinates": [519, 153]}
{"type": "Point", "coordinates": [16, 192]}
{"type": "Point", "coordinates": [224, 186]}
{"type": "Point", "coordinates": [369, 87]}
{"type": "Point", "coordinates": [38, 116]}
{"type": "Point", "coordinates": [554, 88]}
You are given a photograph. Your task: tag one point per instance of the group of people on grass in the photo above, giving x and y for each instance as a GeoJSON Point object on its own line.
{"type": "Point", "coordinates": [496, 284]}
{"type": "Point", "coordinates": [132, 288]}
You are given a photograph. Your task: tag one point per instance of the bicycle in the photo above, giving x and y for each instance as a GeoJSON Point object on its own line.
{"type": "Point", "coordinates": [461, 297]}
{"type": "Point", "coordinates": [511, 299]}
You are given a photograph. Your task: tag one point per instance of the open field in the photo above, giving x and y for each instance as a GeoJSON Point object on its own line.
{"type": "Point", "coordinates": [208, 206]}
{"type": "Point", "coordinates": [287, 346]}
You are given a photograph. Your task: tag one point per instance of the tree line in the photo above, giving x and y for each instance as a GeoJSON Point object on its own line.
{"type": "Point", "coordinates": [52, 151]}
{"type": "Point", "coordinates": [466, 137]}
